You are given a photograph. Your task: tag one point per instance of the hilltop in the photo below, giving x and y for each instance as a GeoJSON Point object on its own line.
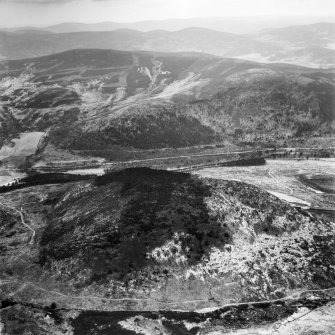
{"type": "Point", "coordinates": [161, 236]}
{"type": "Point", "coordinates": [143, 239]}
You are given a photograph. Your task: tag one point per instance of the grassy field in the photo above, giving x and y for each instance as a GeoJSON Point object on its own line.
{"type": "Point", "coordinates": [283, 177]}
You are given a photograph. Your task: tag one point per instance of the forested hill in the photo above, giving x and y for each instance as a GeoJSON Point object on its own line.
{"type": "Point", "coordinates": [102, 99]}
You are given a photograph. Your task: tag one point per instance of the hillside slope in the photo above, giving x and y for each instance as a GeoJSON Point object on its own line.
{"type": "Point", "coordinates": [160, 239]}
{"type": "Point", "coordinates": [95, 101]}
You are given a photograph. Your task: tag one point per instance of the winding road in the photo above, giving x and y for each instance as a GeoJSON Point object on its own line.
{"type": "Point", "coordinates": [20, 212]}
{"type": "Point", "coordinates": [275, 178]}
{"type": "Point", "coordinates": [295, 296]}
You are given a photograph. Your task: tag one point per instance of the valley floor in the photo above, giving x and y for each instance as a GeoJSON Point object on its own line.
{"type": "Point", "coordinates": [286, 179]}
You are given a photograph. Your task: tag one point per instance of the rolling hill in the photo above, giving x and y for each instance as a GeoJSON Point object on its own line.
{"type": "Point", "coordinates": [161, 244]}
{"type": "Point", "coordinates": [103, 99]}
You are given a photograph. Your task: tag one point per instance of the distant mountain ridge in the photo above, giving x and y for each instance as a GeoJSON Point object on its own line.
{"type": "Point", "coordinates": [239, 25]}
{"type": "Point", "coordinates": [311, 45]}
{"type": "Point", "coordinates": [318, 34]}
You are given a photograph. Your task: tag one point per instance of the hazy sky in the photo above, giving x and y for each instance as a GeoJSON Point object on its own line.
{"type": "Point", "coordinates": [44, 12]}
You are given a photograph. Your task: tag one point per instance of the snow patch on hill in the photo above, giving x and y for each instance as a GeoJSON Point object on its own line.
{"type": "Point", "coordinates": [304, 321]}
{"type": "Point", "coordinates": [184, 86]}
{"type": "Point", "coordinates": [289, 198]}
{"type": "Point", "coordinates": [171, 251]}
{"type": "Point", "coordinates": [23, 146]}
{"type": "Point", "coordinates": [141, 325]}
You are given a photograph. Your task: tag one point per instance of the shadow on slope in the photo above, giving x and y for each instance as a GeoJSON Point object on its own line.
{"type": "Point", "coordinates": [113, 225]}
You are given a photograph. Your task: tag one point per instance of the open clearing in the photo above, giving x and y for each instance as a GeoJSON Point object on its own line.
{"type": "Point", "coordinates": [8, 176]}
{"type": "Point", "coordinates": [23, 146]}
{"type": "Point", "coordinates": [281, 178]}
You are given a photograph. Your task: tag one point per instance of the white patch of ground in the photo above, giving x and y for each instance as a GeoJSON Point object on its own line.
{"type": "Point", "coordinates": [251, 262]}
{"type": "Point", "coordinates": [144, 70]}
{"type": "Point", "coordinates": [182, 86]}
{"type": "Point", "coordinates": [23, 146]}
{"type": "Point", "coordinates": [314, 190]}
{"type": "Point", "coordinates": [141, 325]}
{"type": "Point", "coordinates": [156, 72]}
{"type": "Point", "coordinates": [305, 61]}
{"type": "Point", "coordinates": [206, 310]}
{"type": "Point", "coordinates": [303, 322]}
{"type": "Point", "coordinates": [8, 176]}
{"type": "Point", "coordinates": [96, 171]}
{"type": "Point", "coordinates": [120, 93]}
{"type": "Point", "coordinates": [8, 84]}
{"type": "Point", "coordinates": [171, 251]}
{"type": "Point", "coordinates": [280, 176]}
{"type": "Point", "coordinates": [89, 93]}
{"type": "Point", "coordinates": [302, 61]}
{"type": "Point", "coordinates": [331, 46]}
{"type": "Point", "coordinates": [190, 325]}
{"type": "Point", "coordinates": [289, 198]}
{"type": "Point", "coordinates": [254, 57]}
{"type": "Point", "coordinates": [251, 75]}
